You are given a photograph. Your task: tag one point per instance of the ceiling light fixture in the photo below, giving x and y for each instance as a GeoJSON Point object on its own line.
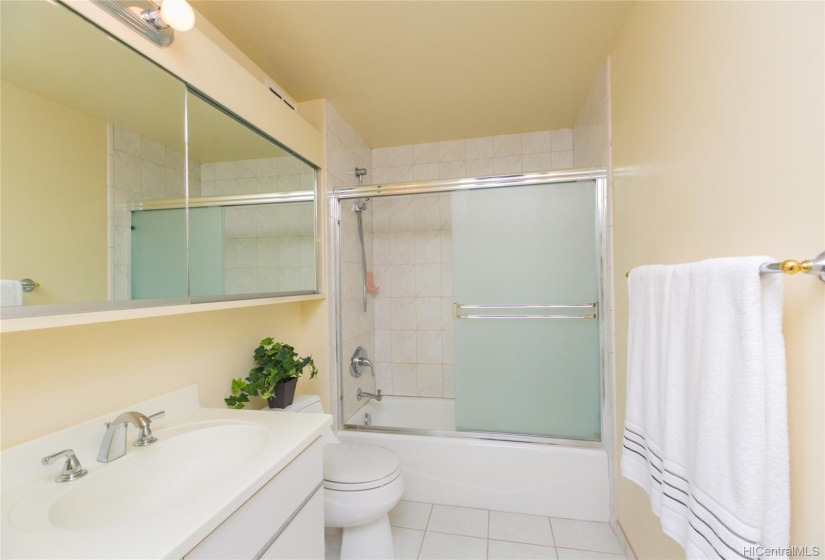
{"type": "Point", "coordinates": [158, 23]}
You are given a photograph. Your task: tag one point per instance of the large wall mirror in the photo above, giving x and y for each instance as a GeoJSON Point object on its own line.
{"type": "Point", "coordinates": [106, 205]}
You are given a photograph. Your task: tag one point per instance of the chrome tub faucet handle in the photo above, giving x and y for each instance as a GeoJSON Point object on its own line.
{"type": "Point", "coordinates": [359, 361]}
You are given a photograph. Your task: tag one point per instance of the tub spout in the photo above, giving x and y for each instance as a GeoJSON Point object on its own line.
{"type": "Point", "coordinates": [362, 394]}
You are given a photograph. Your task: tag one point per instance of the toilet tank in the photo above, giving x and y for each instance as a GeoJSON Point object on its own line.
{"type": "Point", "coordinates": [312, 404]}
{"type": "Point", "coordinates": [305, 403]}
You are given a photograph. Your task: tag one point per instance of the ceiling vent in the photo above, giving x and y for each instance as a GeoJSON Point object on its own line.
{"type": "Point", "coordinates": [278, 92]}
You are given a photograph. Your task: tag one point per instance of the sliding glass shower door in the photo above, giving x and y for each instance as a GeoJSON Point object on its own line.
{"type": "Point", "coordinates": [526, 293]}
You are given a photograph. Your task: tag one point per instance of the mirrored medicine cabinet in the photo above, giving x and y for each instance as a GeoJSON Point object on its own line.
{"type": "Point", "coordinates": [124, 187]}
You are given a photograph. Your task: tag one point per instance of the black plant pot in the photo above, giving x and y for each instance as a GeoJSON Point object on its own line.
{"type": "Point", "coordinates": [284, 394]}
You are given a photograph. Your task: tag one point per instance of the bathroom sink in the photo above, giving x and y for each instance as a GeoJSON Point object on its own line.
{"type": "Point", "coordinates": [157, 501]}
{"type": "Point", "coordinates": [185, 461]}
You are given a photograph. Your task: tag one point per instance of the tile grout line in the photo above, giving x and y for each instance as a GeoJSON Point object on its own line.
{"type": "Point", "coordinates": [426, 526]}
{"type": "Point", "coordinates": [489, 525]}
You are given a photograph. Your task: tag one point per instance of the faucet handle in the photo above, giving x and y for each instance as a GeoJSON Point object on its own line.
{"type": "Point", "coordinates": [145, 436]}
{"type": "Point", "coordinates": [71, 468]}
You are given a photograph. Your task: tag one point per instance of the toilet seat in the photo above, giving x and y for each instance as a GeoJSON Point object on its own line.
{"type": "Point", "coordinates": [358, 486]}
{"type": "Point", "coordinates": [351, 467]}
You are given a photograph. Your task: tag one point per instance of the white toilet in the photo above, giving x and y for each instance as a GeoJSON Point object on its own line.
{"type": "Point", "coordinates": [362, 483]}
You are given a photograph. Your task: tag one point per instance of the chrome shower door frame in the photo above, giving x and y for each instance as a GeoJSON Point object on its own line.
{"type": "Point", "coordinates": [336, 196]}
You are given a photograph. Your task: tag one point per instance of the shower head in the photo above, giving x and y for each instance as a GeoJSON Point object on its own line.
{"type": "Point", "coordinates": [361, 205]}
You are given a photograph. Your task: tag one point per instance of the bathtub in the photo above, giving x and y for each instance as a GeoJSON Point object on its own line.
{"type": "Point", "coordinates": [533, 478]}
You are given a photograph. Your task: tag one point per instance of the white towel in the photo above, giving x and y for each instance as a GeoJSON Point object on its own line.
{"type": "Point", "coordinates": [11, 293]}
{"type": "Point", "coordinates": [706, 430]}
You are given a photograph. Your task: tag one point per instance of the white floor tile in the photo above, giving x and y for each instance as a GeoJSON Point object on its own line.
{"type": "Point", "coordinates": [459, 521]}
{"type": "Point", "coordinates": [584, 535]}
{"type": "Point", "coordinates": [407, 543]}
{"type": "Point", "coordinates": [571, 554]}
{"type": "Point", "coordinates": [498, 550]}
{"type": "Point", "coordinates": [439, 546]}
{"type": "Point", "coordinates": [410, 515]}
{"type": "Point", "coordinates": [519, 528]}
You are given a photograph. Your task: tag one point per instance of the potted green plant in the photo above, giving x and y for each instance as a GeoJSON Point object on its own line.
{"type": "Point", "coordinates": [274, 378]}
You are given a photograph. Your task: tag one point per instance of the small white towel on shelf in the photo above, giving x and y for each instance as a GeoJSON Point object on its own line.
{"type": "Point", "coordinates": [11, 293]}
{"type": "Point", "coordinates": [706, 429]}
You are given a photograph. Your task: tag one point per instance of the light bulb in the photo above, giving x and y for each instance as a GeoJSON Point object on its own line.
{"type": "Point", "coordinates": [177, 14]}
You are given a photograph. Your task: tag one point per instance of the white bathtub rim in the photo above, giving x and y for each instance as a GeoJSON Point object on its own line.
{"type": "Point", "coordinates": [474, 436]}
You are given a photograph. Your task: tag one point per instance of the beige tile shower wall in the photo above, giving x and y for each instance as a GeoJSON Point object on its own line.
{"type": "Point", "coordinates": [590, 131]}
{"type": "Point", "coordinates": [139, 170]}
{"type": "Point", "coordinates": [412, 252]}
{"type": "Point", "coordinates": [545, 150]}
{"type": "Point", "coordinates": [346, 151]}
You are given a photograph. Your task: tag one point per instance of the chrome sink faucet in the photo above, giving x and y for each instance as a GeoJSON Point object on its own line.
{"type": "Point", "coordinates": [114, 442]}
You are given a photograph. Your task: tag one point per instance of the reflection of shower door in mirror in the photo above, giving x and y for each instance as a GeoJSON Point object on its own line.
{"type": "Point", "coordinates": [526, 288]}
{"type": "Point", "coordinates": [158, 258]}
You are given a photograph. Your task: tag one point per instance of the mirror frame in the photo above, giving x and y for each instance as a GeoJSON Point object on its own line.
{"type": "Point", "coordinates": [21, 318]}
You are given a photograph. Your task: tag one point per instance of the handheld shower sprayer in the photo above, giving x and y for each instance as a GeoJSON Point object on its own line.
{"type": "Point", "coordinates": [358, 207]}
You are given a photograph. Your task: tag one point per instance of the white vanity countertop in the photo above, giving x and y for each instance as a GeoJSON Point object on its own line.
{"type": "Point", "coordinates": [140, 528]}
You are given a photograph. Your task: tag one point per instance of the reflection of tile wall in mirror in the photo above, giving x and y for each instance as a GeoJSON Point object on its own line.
{"type": "Point", "coordinates": [256, 176]}
{"type": "Point", "coordinates": [269, 248]}
{"type": "Point", "coordinates": [142, 170]}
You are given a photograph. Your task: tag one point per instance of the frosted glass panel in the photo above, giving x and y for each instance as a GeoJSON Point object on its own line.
{"type": "Point", "coordinates": [527, 245]}
{"type": "Point", "coordinates": [206, 248]}
{"type": "Point", "coordinates": [159, 254]}
{"type": "Point", "coordinates": [532, 244]}
{"type": "Point", "coordinates": [535, 377]}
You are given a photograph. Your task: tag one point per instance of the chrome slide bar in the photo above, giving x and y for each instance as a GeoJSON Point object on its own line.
{"type": "Point", "coordinates": [458, 309]}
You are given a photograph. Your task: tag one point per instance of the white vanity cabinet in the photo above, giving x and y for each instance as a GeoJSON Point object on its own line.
{"type": "Point", "coordinates": [283, 520]}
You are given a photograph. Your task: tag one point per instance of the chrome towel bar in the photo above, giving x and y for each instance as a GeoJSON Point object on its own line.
{"type": "Point", "coordinates": [459, 308]}
{"type": "Point", "coordinates": [815, 266]}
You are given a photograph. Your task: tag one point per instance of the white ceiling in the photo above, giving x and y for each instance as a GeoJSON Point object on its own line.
{"type": "Point", "coordinates": [422, 71]}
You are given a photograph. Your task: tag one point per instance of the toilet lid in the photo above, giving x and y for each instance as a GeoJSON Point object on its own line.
{"type": "Point", "coordinates": [347, 463]}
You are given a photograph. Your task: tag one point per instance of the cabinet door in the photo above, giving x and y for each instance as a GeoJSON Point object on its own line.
{"type": "Point", "coordinates": [248, 531]}
{"type": "Point", "coordinates": [303, 539]}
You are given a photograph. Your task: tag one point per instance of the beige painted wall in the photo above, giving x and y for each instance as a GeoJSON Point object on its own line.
{"type": "Point", "coordinates": [718, 151]}
{"type": "Point", "coordinates": [58, 377]}
{"type": "Point", "coordinates": [54, 199]}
